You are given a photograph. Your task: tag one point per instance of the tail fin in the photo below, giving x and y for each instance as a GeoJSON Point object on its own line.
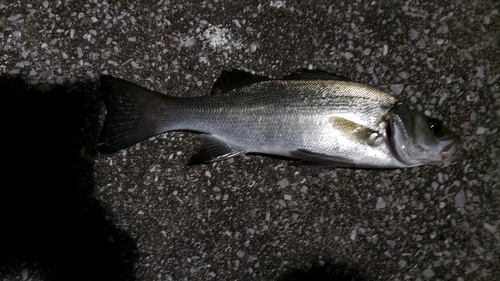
{"type": "Point", "coordinates": [130, 116]}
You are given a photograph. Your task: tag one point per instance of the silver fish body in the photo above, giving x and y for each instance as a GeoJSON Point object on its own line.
{"type": "Point", "coordinates": [315, 117]}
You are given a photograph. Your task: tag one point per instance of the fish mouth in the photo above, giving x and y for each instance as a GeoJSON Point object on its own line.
{"type": "Point", "coordinates": [452, 150]}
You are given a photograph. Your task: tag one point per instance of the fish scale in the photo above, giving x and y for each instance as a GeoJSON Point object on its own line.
{"type": "Point", "coordinates": [297, 108]}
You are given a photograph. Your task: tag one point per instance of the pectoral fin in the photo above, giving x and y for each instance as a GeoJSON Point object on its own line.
{"type": "Point", "coordinates": [356, 132]}
{"type": "Point", "coordinates": [213, 149]}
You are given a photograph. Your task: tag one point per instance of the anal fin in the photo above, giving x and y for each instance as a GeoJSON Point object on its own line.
{"type": "Point", "coordinates": [213, 149]}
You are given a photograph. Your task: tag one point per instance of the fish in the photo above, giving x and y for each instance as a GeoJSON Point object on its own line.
{"type": "Point", "coordinates": [317, 118]}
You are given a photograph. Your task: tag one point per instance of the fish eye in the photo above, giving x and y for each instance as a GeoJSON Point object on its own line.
{"type": "Point", "coordinates": [436, 127]}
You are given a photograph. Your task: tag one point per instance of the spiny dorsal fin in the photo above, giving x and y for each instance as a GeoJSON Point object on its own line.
{"type": "Point", "coordinates": [230, 80]}
{"type": "Point", "coordinates": [212, 150]}
{"type": "Point", "coordinates": [306, 74]}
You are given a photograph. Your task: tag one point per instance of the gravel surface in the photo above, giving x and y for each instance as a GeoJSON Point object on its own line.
{"type": "Point", "coordinates": [69, 213]}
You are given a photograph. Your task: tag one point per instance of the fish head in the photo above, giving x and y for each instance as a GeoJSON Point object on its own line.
{"type": "Point", "coordinates": [416, 139]}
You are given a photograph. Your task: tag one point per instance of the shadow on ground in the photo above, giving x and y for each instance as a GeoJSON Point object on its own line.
{"type": "Point", "coordinates": [326, 272]}
{"type": "Point", "coordinates": [50, 223]}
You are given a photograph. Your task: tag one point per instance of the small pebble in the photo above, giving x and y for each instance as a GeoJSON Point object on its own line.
{"type": "Point", "coordinates": [481, 130]}
{"type": "Point", "coordinates": [283, 183]}
{"type": "Point", "coordinates": [380, 203]}
{"type": "Point", "coordinates": [413, 34]}
{"type": "Point", "coordinates": [282, 203]}
{"type": "Point", "coordinates": [428, 273]}
{"type": "Point", "coordinates": [491, 228]}
{"type": "Point", "coordinates": [460, 199]}
{"type": "Point", "coordinates": [397, 88]}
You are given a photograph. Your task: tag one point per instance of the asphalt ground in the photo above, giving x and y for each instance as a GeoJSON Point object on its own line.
{"type": "Point", "coordinates": [69, 213]}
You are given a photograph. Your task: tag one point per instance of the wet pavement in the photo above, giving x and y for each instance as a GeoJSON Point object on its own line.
{"type": "Point", "coordinates": [70, 213]}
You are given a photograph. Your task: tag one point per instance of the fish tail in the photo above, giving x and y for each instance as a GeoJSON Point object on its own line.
{"type": "Point", "coordinates": [132, 114]}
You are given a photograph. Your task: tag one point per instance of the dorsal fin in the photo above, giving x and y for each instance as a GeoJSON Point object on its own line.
{"type": "Point", "coordinates": [306, 74]}
{"type": "Point", "coordinates": [230, 80]}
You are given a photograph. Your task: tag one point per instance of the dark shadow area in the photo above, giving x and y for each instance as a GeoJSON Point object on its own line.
{"type": "Point", "coordinates": [326, 272]}
{"type": "Point", "coordinates": [49, 222]}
